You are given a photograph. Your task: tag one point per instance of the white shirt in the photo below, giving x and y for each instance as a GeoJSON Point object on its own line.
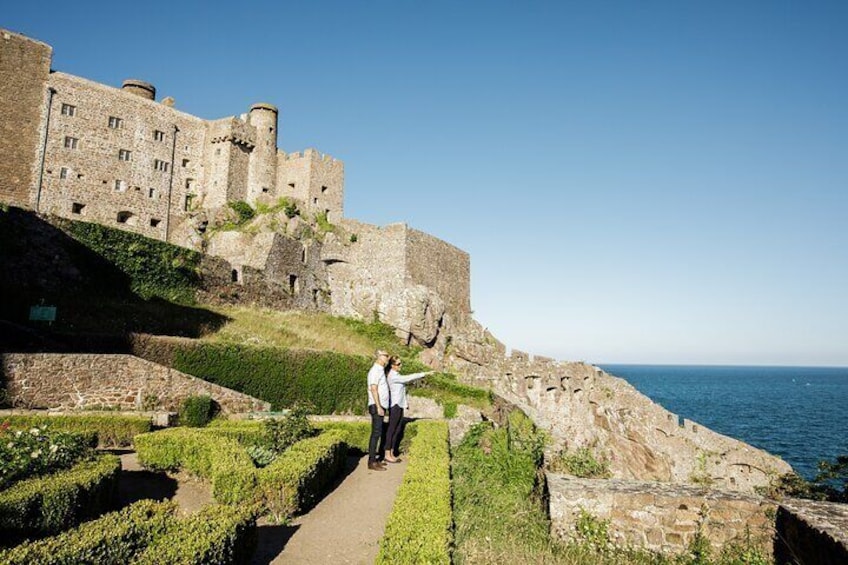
{"type": "Point", "coordinates": [377, 376]}
{"type": "Point", "coordinates": [397, 386]}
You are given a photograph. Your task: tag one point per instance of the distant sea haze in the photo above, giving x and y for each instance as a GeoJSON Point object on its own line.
{"type": "Point", "coordinates": [797, 413]}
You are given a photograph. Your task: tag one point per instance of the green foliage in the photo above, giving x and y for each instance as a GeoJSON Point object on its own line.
{"type": "Point", "coordinates": [290, 209]}
{"type": "Point", "coordinates": [112, 430]}
{"type": "Point", "coordinates": [324, 225]}
{"type": "Point", "coordinates": [155, 268]}
{"type": "Point", "coordinates": [330, 382]}
{"type": "Point", "coordinates": [419, 528]}
{"type": "Point", "coordinates": [109, 540]}
{"type": "Point", "coordinates": [216, 535]}
{"type": "Point", "coordinates": [354, 434]}
{"type": "Point", "coordinates": [444, 389]}
{"type": "Point", "coordinates": [197, 411]}
{"type": "Point", "coordinates": [284, 432]}
{"type": "Point", "coordinates": [354, 238]}
{"type": "Point", "coordinates": [593, 531]}
{"type": "Point", "coordinates": [830, 483]}
{"type": "Point", "coordinates": [52, 503]}
{"type": "Point", "coordinates": [580, 463]}
{"type": "Point", "coordinates": [243, 209]}
{"type": "Point", "coordinates": [37, 451]}
{"type": "Point", "coordinates": [261, 455]}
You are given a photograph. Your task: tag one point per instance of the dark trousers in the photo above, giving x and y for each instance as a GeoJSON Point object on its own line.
{"type": "Point", "coordinates": [377, 436]}
{"type": "Point", "coordinates": [395, 424]}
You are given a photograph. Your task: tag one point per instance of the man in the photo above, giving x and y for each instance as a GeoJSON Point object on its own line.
{"type": "Point", "coordinates": [378, 403]}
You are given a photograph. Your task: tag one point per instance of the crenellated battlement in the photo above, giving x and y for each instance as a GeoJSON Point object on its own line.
{"type": "Point", "coordinates": [313, 154]}
{"type": "Point", "coordinates": [234, 131]}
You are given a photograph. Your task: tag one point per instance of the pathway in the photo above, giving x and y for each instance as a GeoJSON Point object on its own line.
{"type": "Point", "coordinates": [346, 525]}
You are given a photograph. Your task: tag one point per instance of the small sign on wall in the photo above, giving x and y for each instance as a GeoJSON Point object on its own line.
{"type": "Point", "coordinates": [42, 313]}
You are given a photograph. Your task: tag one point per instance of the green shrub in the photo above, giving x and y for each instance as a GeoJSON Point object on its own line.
{"type": "Point", "coordinates": [37, 451]}
{"type": "Point", "coordinates": [110, 540]}
{"type": "Point", "coordinates": [111, 430]}
{"type": "Point", "coordinates": [580, 463]}
{"type": "Point", "coordinates": [354, 434]}
{"type": "Point", "coordinates": [243, 209]}
{"type": "Point", "coordinates": [282, 433]}
{"type": "Point", "coordinates": [419, 528]}
{"type": "Point", "coordinates": [291, 210]}
{"type": "Point", "coordinates": [154, 268]}
{"type": "Point", "coordinates": [216, 535]}
{"type": "Point", "coordinates": [245, 432]}
{"type": "Point", "coordinates": [197, 411]}
{"type": "Point", "coordinates": [330, 382]}
{"type": "Point", "coordinates": [50, 504]}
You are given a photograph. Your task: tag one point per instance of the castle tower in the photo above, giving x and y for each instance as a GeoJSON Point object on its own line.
{"type": "Point", "coordinates": [262, 166]}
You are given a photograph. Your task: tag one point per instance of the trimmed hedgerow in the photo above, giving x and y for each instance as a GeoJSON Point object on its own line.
{"type": "Point", "coordinates": [36, 451]}
{"type": "Point", "coordinates": [329, 382]}
{"type": "Point", "coordinates": [154, 268]}
{"type": "Point", "coordinates": [196, 411]}
{"type": "Point", "coordinates": [419, 528]}
{"type": "Point", "coordinates": [50, 504]}
{"type": "Point", "coordinates": [203, 454]}
{"type": "Point", "coordinates": [217, 535]}
{"type": "Point", "coordinates": [354, 434]}
{"type": "Point", "coordinates": [112, 430]}
{"type": "Point", "coordinates": [109, 540]}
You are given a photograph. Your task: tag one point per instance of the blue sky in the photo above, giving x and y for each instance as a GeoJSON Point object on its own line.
{"type": "Point", "coordinates": [651, 182]}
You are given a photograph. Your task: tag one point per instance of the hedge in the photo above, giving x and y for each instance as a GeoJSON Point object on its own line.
{"type": "Point", "coordinates": [331, 383]}
{"type": "Point", "coordinates": [216, 535]}
{"type": "Point", "coordinates": [419, 528]}
{"type": "Point", "coordinates": [203, 454]}
{"type": "Point", "coordinates": [112, 430]}
{"type": "Point", "coordinates": [49, 504]}
{"type": "Point", "coordinates": [252, 432]}
{"type": "Point", "coordinates": [110, 540]}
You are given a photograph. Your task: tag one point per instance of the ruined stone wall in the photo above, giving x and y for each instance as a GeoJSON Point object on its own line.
{"type": "Point", "coordinates": [439, 265]}
{"type": "Point", "coordinates": [109, 158]}
{"type": "Point", "coordinates": [582, 406]}
{"type": "Point", "coordinates": [24, 66]}
{"type": "Point", "coordinates": [661, 517]}
{"type": "Point", "coordinates": [124, 382]}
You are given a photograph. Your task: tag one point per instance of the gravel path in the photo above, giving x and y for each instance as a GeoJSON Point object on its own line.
{"type": "Point", "coordinates": [345, 526]}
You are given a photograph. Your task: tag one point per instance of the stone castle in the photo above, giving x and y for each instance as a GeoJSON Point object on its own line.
{"type": "Point", "coordinates": [115, 156]}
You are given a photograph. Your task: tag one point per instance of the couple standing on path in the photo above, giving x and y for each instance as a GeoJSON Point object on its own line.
{"type": "Point", "coordinates": [386, 393]}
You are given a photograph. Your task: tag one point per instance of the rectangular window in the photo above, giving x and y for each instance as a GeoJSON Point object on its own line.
{"type": "Point", "coordinates": [120, 185]}
{"type": "Point", "coordinates": [63, 173]}
{"type": "Point", "coordinates": [189, 183]}
{"type": "Point", "coordinates": [160, 165]}
{"type": "Point", "coordinates": [151, 193]}
{"type": "Point", "coordinates": [124, 155]}
{"type": "Point", "coordinates": [185, 163]}
{"type": "Point", "coordinates": [187, 204]}
{"type": "Point", "coordinates": [115, 123]}
{"type": "Point", "coordinates": [154, 222]}
{"type": "Point", "coordinates": [71, 142]}
{"type": "Point", "coordinates": [68, 110]}
{"type": "Point", "coordinates": [76, 208]}
{"type": "Point", "coordinates": [158, 135]}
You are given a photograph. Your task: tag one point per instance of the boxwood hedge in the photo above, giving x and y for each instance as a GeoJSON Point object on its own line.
{"type": "Point", "coordinates": [112, 430]}
{"type": "Point", "coordinates": [52, 503]}
{"type": "Point", "coordinates": [419, 528]}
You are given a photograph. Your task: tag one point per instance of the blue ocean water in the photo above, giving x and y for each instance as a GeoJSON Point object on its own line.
{"type": "Point", "coordinates": [798, 413]}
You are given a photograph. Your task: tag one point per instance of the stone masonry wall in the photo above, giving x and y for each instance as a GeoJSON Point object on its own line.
{"type": "Point", "coordinates": [24, 66]}
{"type": "Point", "coordinates": [811, 533]}
{"type": "Point", "coordinates": [439, 265]}
{"type": "Point", "coordinates": [661, 517]}
{"type": "Point", "coordinates": [119, 171]}
{"type": "Point", "coordinates": [124, 382]}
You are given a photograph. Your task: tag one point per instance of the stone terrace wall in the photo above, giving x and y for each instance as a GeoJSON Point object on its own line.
{"type": "Point", "coordinates": [582, 406]}
{"type": "Point", "coordinates": [811, 532]}
{"type": "Point", "coordinates": [124, 382]}
{"type": "Point", "coordinates": [660, 517]}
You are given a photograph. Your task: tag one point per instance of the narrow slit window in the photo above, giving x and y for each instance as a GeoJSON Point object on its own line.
{"type": "Point", "coordinates": [77, 208]}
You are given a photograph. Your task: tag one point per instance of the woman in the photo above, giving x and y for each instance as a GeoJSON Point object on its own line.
{"type": "Point", "coordinates": [398, 403]}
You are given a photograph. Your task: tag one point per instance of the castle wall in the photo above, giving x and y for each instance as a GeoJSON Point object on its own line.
{"type": "Point", "coordinates": [24, 66]}
{"type": "Point", "coordinates": [810, 531]}
{"type": "Point", "coordinates": [314, 179]}
{"type": "Point", "coordinates": [124, 382]}
{"type": "Point", "coordinates": [660, 517]}
{"type": "Point", "coordinates": [118, 170]}
{"type": "Point", "coordinates": [262, 172]}
{"type": "Point", "coordinates": [441, 266]}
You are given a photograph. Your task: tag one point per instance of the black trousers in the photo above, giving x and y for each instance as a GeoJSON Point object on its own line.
{"type": "Point", "coordinates": [377, 435]}
{"type": "Point", "coordinates": [394, 434]}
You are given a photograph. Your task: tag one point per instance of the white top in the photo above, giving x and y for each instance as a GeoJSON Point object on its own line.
{"type": "Point", "coordinates": [397, 386]}
{"type": "Point", "coordinates": [377, 376]}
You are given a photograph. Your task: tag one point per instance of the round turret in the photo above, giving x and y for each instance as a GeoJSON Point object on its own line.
{"type": "Point", "coordinates": [140, 88]}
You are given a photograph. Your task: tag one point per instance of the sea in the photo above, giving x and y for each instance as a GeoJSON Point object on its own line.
{"type": "Point", "coordinates": [797, 413]}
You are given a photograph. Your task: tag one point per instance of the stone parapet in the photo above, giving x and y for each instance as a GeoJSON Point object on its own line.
{"type": "Point", "coordinates": [117, 382]}
{"type": "Point", "coordinates": [810, 531]}
{"type": "Point", "coordinates": [659, 516]}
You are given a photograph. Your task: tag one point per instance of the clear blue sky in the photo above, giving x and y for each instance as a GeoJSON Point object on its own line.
{"type": "Point", "coordinates": [653, 182]}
